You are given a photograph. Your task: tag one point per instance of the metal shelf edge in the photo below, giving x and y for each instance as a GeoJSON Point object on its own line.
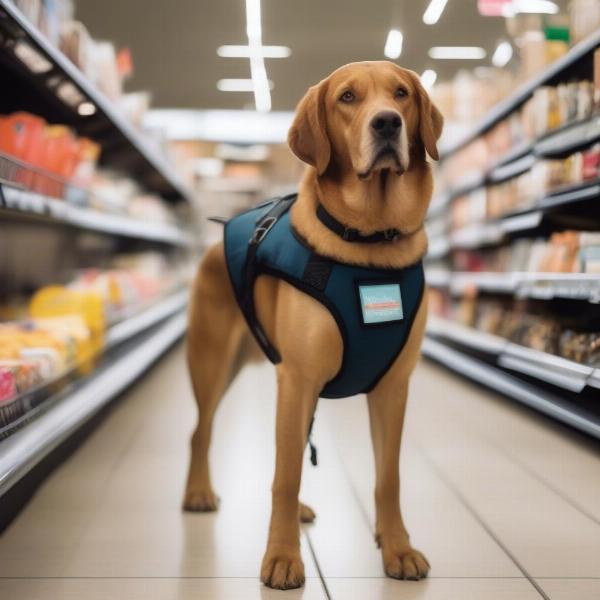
{"type": "Point", "coordinates": [510, 386]}
{"type": "Point", "coordinates": [148, 317]}
{"type": "Point", "coordinates": [91, 219]}
{"type": "Point", "coordinates": [23, 450]}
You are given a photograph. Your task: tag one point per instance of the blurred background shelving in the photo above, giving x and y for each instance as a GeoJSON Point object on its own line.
{"type": "Point", "coordinates": [514, 230]}
{"type": "Point", "coordinates": [97, 238]}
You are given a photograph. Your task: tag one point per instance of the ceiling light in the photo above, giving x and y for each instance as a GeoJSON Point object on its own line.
{"type": "Point", "coordinates": [393, 44]}
{"type": "Point", "coordinates": [502, 54]}
{"type": "Point", "coordinates": [434, 11]}
{"type": "Point", "coordinates": [428, 78]}
{"type": "Point", "coordinates": [457, 52]}
{"type": "Point", "coordinates": [244, 51]}
{"type": "Point", "coordinates": [258, 72]}
{"type": "Point", "coordinates": [238, 85]}
{"type": "Point", "coordinates": [529, 6]}
{"type": "Point", "coordinates": [86, 109]}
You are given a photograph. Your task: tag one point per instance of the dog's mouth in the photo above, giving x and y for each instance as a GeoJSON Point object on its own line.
{"type": "Point", "coordinates": [385, 159]}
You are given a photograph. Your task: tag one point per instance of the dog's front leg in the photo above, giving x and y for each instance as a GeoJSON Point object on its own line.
{"type": "Point", "coordinates": [282, 566]}
{"type": "Point", "coordinates": [386, 414]}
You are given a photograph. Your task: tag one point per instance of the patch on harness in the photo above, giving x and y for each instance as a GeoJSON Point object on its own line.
{"type": "Point", "coordinates": [380, 303]}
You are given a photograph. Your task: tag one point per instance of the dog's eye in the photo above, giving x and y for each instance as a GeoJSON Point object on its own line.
{"type": "Point", "coordinates": [401, 93]}
{"type": "Point", "coordinates": [347, 96]}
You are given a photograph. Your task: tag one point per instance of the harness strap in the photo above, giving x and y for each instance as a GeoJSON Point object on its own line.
{"type": "Point", "coordinates": [349, 234]}
{"type": "Point", "coordinates": [263, 226]}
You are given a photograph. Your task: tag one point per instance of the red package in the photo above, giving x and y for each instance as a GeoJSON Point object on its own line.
{"type": "Point", "coordinates": [8, 385]}
{"type": "Point", "coordinates": [21, 136]}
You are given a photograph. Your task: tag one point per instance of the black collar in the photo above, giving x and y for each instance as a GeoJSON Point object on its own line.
{"type": "Point", "coordinates": [349, 234]}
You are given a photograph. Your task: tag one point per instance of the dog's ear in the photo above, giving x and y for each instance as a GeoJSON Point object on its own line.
{"type": "Point", "coordinates": [307, 137]}
{"type": "Point", "coordinates": [431, 121]}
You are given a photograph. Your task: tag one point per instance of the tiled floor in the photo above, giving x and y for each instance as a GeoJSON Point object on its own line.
{"type": "Point", "coordinates": [505, 504]}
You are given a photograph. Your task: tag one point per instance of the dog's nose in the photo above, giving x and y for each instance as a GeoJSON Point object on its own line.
{"type": "Point", "coordinates": [386, 125]}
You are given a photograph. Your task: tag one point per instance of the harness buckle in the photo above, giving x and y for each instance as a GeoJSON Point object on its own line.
{"type": "Point", "coordinates": [350, 234]}
{"type": "Point", "coordinates": [262, 229]}
{"type": "Point", "coordinates": [390, 234]}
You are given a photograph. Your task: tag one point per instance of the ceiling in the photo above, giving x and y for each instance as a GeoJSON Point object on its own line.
{"type": "Point", "coordinates": [174, 43]}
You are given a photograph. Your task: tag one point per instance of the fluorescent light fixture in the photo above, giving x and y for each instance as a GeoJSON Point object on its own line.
{"type": "Point", "coordinates": [457, 52]}
{"type": "Point", "coordinates": [393, 44]}
{"type": "Point", "coordinates": [86, 109]}
{"type": "Point", "coordinates": [238, 85]}
{"type": "Point", "coordinates": [233, 126]}
{"type": "Point", "coordinates": [244, 51]}
{"type": "Point", "coordinates": [258, 72]}
{"type": "Point", "coordinates": [428, 78]}
{"type": "Point", "coordinates": [530, 6]}
{"type": "Point", "coordinates": [502, 54]}
{"type": "Point", "coordinates": [434, 11]}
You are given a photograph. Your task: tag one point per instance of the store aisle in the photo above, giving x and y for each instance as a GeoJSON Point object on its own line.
{"type": "Point", "coordinates": [504, 503]}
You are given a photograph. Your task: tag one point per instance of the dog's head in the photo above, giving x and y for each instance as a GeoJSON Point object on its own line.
{"type": "Point", "coordinates": [366, 117]}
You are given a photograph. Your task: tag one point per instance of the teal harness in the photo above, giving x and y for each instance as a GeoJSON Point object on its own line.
{"type": "Point", "coordinates": [374, 308]}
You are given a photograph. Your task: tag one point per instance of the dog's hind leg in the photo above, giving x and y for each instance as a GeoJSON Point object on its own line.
{"type": "Point", "coordinates": [214, 347]}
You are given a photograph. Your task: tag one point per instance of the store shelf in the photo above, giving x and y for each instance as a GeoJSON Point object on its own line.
{"type": "Point", "coordinates": [24, 449]}
{"type": "Point", "coordinates": [568, 139]}
{"type": "Point", "coordinates": [542, 286]}
{"type": "Point", "coordinates": [562, 142]}
{"type": "Point", "coordinates": [31, 205]}
{"type": "Point", "coordinates": [558, 371]}
{"type": "Point", "coordinates": [493, 377]}
{"type": "Point", "coordinates": [123, 146]}
{"type": "Point", "coordinates": [491, 233]}
{"type": "Point", "coordinates": [546, 367]}
{"type": "Point", "coordinates": [508, 170]}
{"type": "Point", "coordinates": [467, 336]}
{"type": "Point", "coordinates": [21, 410]}
{"type": "Point", "coordinates": [571, 195]}
{"type": "Point", "coordinates": [438, 247]}
{"type": "Point", "coordinates": [549, 75]}
{"type": "Point", "coordinates": [438, 278]}
{"type": "Point", "coordinates": [140, 320]}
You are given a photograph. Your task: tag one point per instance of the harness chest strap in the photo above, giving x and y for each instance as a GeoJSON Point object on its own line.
{"type": "Point", "coordinates": [374, 308]}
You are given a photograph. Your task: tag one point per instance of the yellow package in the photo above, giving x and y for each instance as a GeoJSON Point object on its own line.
{"type": "Point", "coordinates": [58, 301]}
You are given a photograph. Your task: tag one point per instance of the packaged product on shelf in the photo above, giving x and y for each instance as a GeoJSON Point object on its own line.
{"type": "Point", "coordinates": [580, 347]}
{"type": "Point", "coordinates": [22, 135]}
{"type": "Point", "coordinates": [585, 18]}
{"type": "Point", "coordinates": [58, 301]}
{"type": "Point", "coordinates": [564, 252]}
{"type": "Point", "coordinates": [588, 258]}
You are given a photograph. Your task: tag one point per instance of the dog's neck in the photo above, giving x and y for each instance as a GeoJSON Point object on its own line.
{"type": "Point", "coordinates": [368, 206]}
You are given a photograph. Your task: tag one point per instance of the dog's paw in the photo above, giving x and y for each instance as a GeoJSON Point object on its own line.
{"type": "Point", "coordinates": [405, 564]}
{"type": "Point", "coordinates": [200, 501]}
{"type": "Point", "coordinates": [307, 514]}
{"type": "Point", "coordinates": [282, 568]}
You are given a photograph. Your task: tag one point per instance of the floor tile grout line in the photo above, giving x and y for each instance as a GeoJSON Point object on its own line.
{"type": "Point", "coordinates": [311, 549]}
{"type": "Point", "coordinates": [463, 500]}
{"type": "Point", "coordinates": [548, 484]}
{"type": "Point", "coordinates": [524, 467]}
{"type": "Point", "coordinates": [200, 578]}
{"type": "Point", "coordinates": [353, 491]}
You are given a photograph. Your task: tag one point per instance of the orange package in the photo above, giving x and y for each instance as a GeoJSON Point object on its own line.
{"type": "Point", "coordinates": [21, 136]}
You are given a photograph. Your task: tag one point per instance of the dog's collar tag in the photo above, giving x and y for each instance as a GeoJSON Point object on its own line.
{"type": "Point", "coordinates": [380, 303]}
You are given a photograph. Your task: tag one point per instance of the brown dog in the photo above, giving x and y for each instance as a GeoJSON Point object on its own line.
{"type": "Point", "coordinates": [369, 182]}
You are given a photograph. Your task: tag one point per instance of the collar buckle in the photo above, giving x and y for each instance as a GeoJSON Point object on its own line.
{"type": "Point", "coordinates": [350, 234]}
